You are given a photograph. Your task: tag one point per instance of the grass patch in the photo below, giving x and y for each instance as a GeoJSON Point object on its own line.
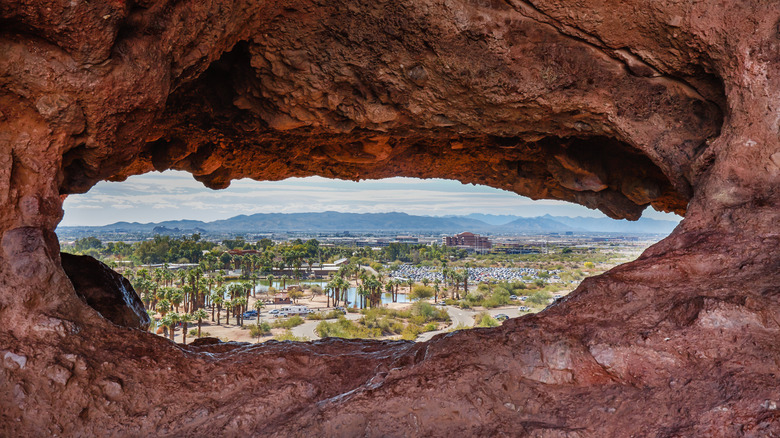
{"type": "Point", "coordinates": [288, 336]}
{"type": "Point", "coordinates": [344, 328]}
{"type": "Point", "coordinates": [333, 314]}
{"type": "Point", "coordinates": [194, 332]}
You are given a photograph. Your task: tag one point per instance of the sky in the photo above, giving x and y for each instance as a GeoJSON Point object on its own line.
{"type": "Point", "coordinates": [172, 195]}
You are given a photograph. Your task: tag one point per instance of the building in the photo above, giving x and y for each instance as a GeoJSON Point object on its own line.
{"type": "Point", "coordinates": [468, 241]}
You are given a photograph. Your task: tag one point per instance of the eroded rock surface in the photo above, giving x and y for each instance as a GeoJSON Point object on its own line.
{"type": "Point", "coordinates": [613, 105]}
{"type": "Point", "coordinates": [109, 293]}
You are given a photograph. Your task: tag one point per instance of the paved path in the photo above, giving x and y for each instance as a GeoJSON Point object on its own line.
{"type": "Point", "coordinates": [306, 330]}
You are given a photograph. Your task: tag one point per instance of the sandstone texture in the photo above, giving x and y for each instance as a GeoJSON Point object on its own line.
{"type": "Point", "coordinates": [616, 105]}
{"type": "Point", "coordinates": [109, 293]}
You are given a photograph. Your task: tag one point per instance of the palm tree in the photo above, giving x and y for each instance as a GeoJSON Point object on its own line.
{"type": "Point", "coordinates": [174, 319]}
{"type": "Point", "coordinates": [425, 281]}
{"type": "Point", "coordinates": [436, 290]}
{"type": "Point", "coordinates": [389, 287]}
{"type": "Point", "coordinates": [218, 301]}
{"type": "Point", "coordinates": [456, 279]}
{"type": "Point", "coordinates": [228, 307]}
{"type": "Point", "coordinates": [163, 306]}
{"type": "Point", "coordinates": [200, 315]}
{"type": "Point", "coordinates": [342, 286]}
{"type": "Point", "coordinates": [239, 303]}
{"type": "Point", "coordinates": [466, 280]}
{"type": "Point", "coordinates": [255, 277]}
{"type": "Point", "coordinates": [362, 292]}
{"type": "Point", "coordinates": [176, 298]}
{"type": "Point", "coordinates": [328, 289]}
{"type": "Point", "coordinates": [270, 279]}
{"type": "Point", "coordinates": [166, 323]}
{"type": "Point", "coordinates": [185, 320]}
{"type": "Point", "coordinates": [284, 281]}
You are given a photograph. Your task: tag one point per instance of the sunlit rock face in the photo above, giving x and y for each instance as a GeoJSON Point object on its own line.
{"type": "Point", "coordinates": [614, 105]}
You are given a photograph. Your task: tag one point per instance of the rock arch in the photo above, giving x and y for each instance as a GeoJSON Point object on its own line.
{"type": "Point", "coordinates": [614, 106]}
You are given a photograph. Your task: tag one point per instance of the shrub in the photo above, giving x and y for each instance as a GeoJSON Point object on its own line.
{"type": "Point", "coordinates": [344, 328]}
{"type": "Point", "coordinates": [288, 336]}
{"type": "Point", "coordinates": [420, 292]}
{"type": "Point", "coordinates": [333, 314]}
{"type": "Point", "coordinates": [411, 332]}
{"type": "Point", "coordinates": [429, 312]}
{"type": "Point", "coordinates": [388, 325]}
{"type": "Point", "coordinates": [539, 298]}
{"type": "Point", "coordinates": [203, 333]}
{"type": "Point", "coordinates": [474, 298]}
{"type": "Point", "coordinates": [256, 331]}
{"type": "Point", "coordinates": [289, 323]}
{"type": "Point", "coordinates": [485, 320]}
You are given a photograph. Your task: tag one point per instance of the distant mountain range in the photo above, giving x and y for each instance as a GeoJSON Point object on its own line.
{"type": "Point", "coordinates": [389, 222]}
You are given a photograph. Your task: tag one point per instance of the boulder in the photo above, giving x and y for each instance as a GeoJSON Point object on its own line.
{"type": "Point", "coordinates": [109, 293]}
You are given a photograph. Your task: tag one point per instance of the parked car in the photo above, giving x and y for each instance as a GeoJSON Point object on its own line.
{"type": "Point", "coordinates": [502, 317]}
{"type": "Point", "coordinates": [556, 296]}
{"type": "Point", "coordinates": [513, 297]}
{"type": "Point", "coordinates": [440, 303]}
{"type": "Point", "coordinates": [524, 297]}
{"type": "Point", "coordinates": [250, 314]}
{"type": "Point", "coordinates": [274, 311]}
{"type": "Point", "coordinates": [523, 308]}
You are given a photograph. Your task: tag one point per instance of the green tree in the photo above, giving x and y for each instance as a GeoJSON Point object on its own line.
{"type": "Point", "coordinates": [420, 292]}
{"type": "Point", "coordinates": [200, 315]}
{"type": "Point", "coordinates": [238, 312]}
{"type": "Point", "coordinates": [163, 306]}
{"type": "Point", "coordinates": [295, 294]}
{"type": "Point", "coordinates": [185, 319]}
{"type": "Point", "coordinates": [174, 319]}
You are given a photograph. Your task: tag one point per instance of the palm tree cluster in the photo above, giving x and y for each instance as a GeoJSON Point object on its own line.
{"type": "Point", "coordinates": [191, 291]}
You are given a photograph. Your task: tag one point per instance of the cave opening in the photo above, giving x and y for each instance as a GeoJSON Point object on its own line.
{"type": "Point", "coordinates": [187, 250]}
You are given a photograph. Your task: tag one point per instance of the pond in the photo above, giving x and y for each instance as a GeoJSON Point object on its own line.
{"type": "Point", "coordinates": [262, 286]}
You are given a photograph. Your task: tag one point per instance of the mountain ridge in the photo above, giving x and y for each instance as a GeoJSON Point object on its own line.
{"type": "Point", "coordinates": [332, 221]}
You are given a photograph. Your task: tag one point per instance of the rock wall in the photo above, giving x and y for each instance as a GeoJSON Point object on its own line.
{"type": "Point", "coordinates": [613, 105]}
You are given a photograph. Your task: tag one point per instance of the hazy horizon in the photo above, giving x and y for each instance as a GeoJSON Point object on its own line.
{"type": "Point", "coordinates": [173, 195]}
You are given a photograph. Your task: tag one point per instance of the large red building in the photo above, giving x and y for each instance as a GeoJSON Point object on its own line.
{"type": "Point", "coordinates": [468, 240]}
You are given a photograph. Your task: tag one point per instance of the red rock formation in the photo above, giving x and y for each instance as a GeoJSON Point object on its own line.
{"type": "Point", "coordinates": [613, 105]}
{"type": "Point", "coordinates": [109, 293]}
